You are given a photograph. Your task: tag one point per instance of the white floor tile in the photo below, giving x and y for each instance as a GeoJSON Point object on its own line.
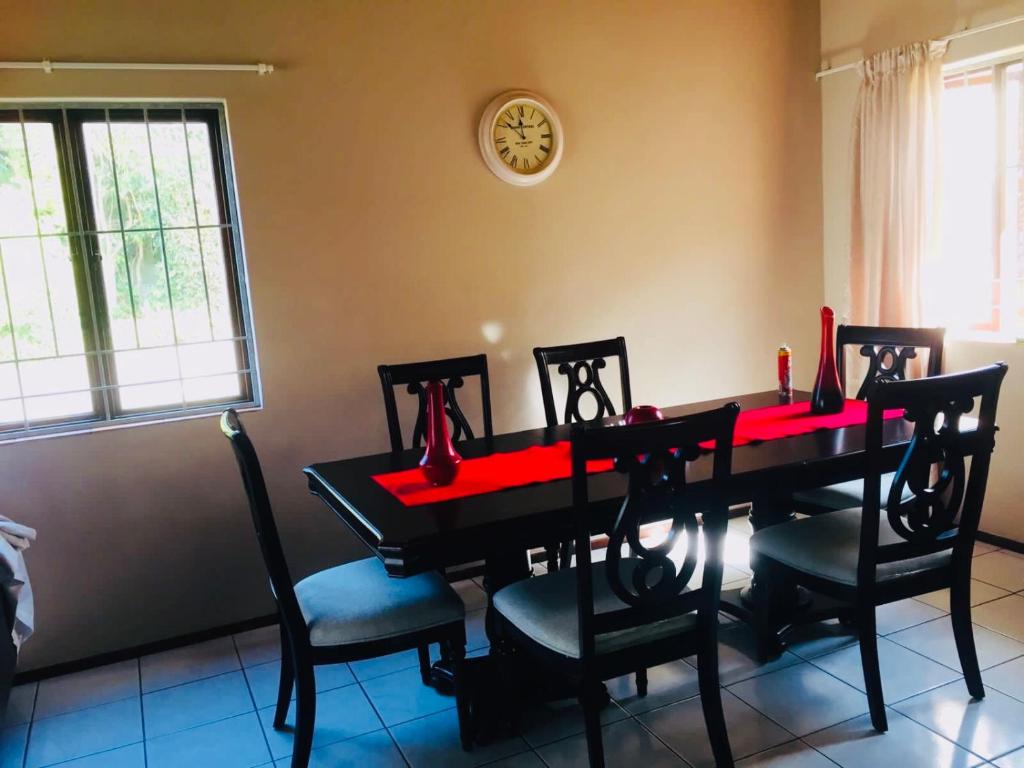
{"type": "Point", "coordinates": [373, 750]}
{"type": "Point", "coordinates": [367, 669]}
{"type": "Point", "coordinates": [20, 704]}
{"type": "Point", "coordinates": [12, 746]}
{"type": "Point", "coordinates": [1013, 760]}
{"type": "Point", "coordinates": [856, 744]}
{"type": "Point", "coordinates": [525, 760]}
{"type": "Point", "coordinates": [557, 720]}
{"type": "Point", "coordinates": [892, 617]}
{"type": "Point", "coordinates": [88, 688]}
{"type": "Point", "coordinates": [666, 684]}
{"type": "Point", "coordinates": [433, 741]}
{"type": "Point", "coordinates": [904, 673]}
{"type": "Point", "coordinates": [795, 754]}
{"type": "Point", "coordinates": [233, 743]}
{"type": "Point", "coordinates": [988, 728]}
{"type": "Point", "coordinates": [340, 714]}
{"type": "Point", "coordinates": [259, 646]}
{"type": "Point", "coordinates": [1008, 678]}
{"type": "Point", "coordinates": [802, 698]}
{"type": "Point", "coordinates": [1005, 615]}
{"type": "Point", "coordinates": [193, 662]}
{"type": "Point", "coordinates": [682, 727]}
{"type": "Point", "coordinates": [821, 637]}
{"type": "Point", "coordinates": [84, 732]}
{"type": "Point", "coordinates": [935, 640]}
{"type": "Point", "coordinates": [1001, 569]}
{"type": "Point", "coordinates": [625, 743]}
{"type": "Point", "coordinates": [737, 655]}
{"type": "Point", "coordinates": [133, 756]}
{"type": "Point", "coordinates": [204, 701]}
{"type": "Point", "coordinates": [983, 548]}
{"type": "Point", "coordinates": [263, 680]}
{"type": "Point", "coordinates": [980, 593]}
{"type": "Point", "coordinates": [402, 696]}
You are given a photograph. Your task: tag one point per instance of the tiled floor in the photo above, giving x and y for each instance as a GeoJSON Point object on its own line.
{"type": "Point", "coordinates": [211, 704]}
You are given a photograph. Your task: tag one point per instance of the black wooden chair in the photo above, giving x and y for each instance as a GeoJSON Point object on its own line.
{"type": "Point", "coordinates": [581, 364]}
{"type": "Point", "coordinates": [865, 559]}
{"type": "Point", "coordinates": [602, 620]}
{"type": "Point", "coordinates": [346, 613]}
{"type": "Point", "coordinates": [888, 350]}
{"type": "Point", "coordinates": [452, 373]}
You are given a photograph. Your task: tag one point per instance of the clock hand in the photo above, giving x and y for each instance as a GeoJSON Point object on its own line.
{"type": "Point", "coordinates": [517, 129]}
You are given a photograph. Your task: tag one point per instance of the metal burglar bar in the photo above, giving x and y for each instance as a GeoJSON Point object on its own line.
{"type": "Point", "coordinates": [135, 306]}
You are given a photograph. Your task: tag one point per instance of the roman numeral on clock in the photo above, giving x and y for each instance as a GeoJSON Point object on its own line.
{"type": "Point", "coordinates": [544, 149]}
{"type": "Point", "coordinates": [514, 162]}
{"type": "Point", "coordinates": [504, 151]}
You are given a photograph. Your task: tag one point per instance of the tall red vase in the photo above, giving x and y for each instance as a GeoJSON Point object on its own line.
{"type": "Point", "coordinates": [827, 396]}
{"type": "Point", "coordinates": [440, 461]}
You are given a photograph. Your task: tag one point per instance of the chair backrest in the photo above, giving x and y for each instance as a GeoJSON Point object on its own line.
{"type": "Point", "coordinates": [263, 521]}
{"type": "Point", "coordinates": [581, 364]}
{"type": "Point", "coordinates": [655, 457]}
{"type": "Point", "coordinates": [888, 350]}
{"type": "Point", "coordinates": [451, 372]}
{"type": "Point", "coordinates": [945, 503]}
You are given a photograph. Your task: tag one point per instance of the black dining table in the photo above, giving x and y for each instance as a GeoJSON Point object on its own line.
{"type": "Point", "coordinates": [499, 528]}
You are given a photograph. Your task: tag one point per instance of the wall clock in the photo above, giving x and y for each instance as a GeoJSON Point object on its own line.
{"type": "Point", "coordinates": [521, 138]}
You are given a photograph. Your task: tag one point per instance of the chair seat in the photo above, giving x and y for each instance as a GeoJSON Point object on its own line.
{"type": "Point", "coordinates": [828, 547]}
{"type": "Point", "coordinates": [358, 602]}
{"type": "Point", "coordinates": [544, 609]}
{"type": "Point", "coordinates": [845, 495]}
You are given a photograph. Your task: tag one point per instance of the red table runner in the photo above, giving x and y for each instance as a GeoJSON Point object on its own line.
{"type": "Point", "coordinates": [546, 463]}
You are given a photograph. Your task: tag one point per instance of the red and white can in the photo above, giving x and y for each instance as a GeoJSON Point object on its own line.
{"type": "Point", "coordinates": [785, 371]}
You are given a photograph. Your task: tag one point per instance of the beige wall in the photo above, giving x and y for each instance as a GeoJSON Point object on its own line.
{"type": "Point", "coordinates": [686, 216]}
{"type": "Point", "coordinates": [851, 29]}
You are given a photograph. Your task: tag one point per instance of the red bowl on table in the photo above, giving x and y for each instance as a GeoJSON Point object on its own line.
{"type": "Point", "coordinates": [643, 414]}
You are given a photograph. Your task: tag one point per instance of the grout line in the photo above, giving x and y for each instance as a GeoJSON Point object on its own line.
{"type": "Point", "coordinates": [31, 724]}
{"type": "Point", "coordinates": [252, 698]}
{"type": "Point", "coordinates": [142, 715]}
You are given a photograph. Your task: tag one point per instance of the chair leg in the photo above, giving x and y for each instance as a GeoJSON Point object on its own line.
{"type": "Point", "coordinates": [565, 554]}
{"type": "Point", "coordinates": [284, 688]}
{"type": "Point", "coordinates": [641, 682]}
{"type": "Point", "coordinates": [424, 654]}
{"type": "Point", "coordinates": [551, 553]}
{"type": "Point", "coordinates": [591, 700]}
{"type": "Point", "coordinates": [463, 692]}
{"type": "Point", "coordinates": [305, 713]}
{"type": "Point", "coordinates": [711, 701]}
{"type": "Point", "coordinates": [869, 662]}
{"type": "Point", "coordinates": [963, 633]}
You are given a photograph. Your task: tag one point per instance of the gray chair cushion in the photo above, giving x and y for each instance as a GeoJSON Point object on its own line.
{"type": "Point", "coordinates": [544, 609]}
{"type": "Point", "coordinates": [357, 602]}
{"type": "Point", "coordinates": [845, 495]}
{"type": "Point", "coordinates": [828, 546]}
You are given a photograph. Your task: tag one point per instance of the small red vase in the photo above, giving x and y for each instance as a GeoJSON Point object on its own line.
{"type": "Point", "coordinates": [827, 395]}
{"type": "Point", "coordinates": [641, 414]}
{"type": "Point", "coordinates": [440, 462]}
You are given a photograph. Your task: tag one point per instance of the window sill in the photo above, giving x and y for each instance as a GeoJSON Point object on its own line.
{"type": "Point", "coordinates": [147, 420]}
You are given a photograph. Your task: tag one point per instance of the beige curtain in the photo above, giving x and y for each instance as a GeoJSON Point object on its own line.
{"type": "Point", "coordinates": [895, 183]}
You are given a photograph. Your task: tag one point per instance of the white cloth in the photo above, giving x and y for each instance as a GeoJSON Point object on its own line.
{"type": "Point", "coordinates": [896, 195]}
{"type": "Point", "coordinates": [17, 590]}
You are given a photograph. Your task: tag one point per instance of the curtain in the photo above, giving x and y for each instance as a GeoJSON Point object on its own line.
{"type": "Point", "coordinates": [896, 195]}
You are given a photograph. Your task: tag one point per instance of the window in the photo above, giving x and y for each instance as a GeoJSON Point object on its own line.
{"type": "Point", "coordinates": [979, 284]}
{"type": "Point", "coordinates": [121, 293]}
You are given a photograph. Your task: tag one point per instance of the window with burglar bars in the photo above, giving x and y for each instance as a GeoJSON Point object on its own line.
{"type": "Point", "coordinates": [122, 295]}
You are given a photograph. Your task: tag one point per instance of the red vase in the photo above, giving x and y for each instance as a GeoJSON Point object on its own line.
{"type": "Point", "coordinates": [827, 396]}
{"type": "Point", "coordinates": [440, 461]}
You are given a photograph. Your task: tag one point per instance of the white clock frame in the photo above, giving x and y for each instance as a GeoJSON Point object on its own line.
{"type": "Point", "coordinates": [486, 137]}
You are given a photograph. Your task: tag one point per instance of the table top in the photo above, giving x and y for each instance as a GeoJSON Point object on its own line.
{"type": "Point", "coordinates": [412, 539]}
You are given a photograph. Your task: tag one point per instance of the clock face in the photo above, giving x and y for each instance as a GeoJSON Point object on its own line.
{"type": "Point", "coordinates": [523, 137]}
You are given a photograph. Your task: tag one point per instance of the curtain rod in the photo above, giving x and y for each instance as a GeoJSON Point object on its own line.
{"type": "Point", "coordinates": [948, 38]}
{"type": "Point", "coordinates": [49, 66]}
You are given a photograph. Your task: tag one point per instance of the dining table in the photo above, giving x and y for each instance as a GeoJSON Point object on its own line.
{"type": "Point", "coordinates": [500, 527]}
